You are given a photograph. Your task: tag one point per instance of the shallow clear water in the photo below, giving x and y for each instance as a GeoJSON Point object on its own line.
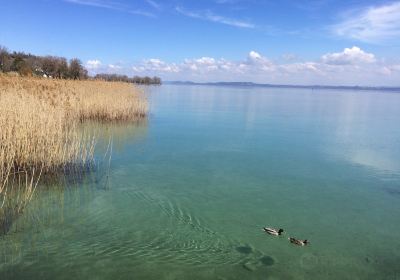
{"type": "Point", "coordinates": [187, 192]}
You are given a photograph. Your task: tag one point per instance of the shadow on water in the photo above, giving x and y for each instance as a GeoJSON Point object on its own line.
{"type": "Point", "coordinates": [23, 189]}
{"type": "Point", "coordinates": [7, 216]}
{"type": "Point", "coordinates": [392, 191]}
{"type": "Point", "coordinates": [267, 260]}
{"type": "Point", "coordinates": [244, 249]}
{"type": "Point", "coordinates": [16, 193]}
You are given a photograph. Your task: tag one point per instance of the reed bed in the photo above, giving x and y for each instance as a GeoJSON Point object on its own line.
{"type": "Point", "coordinates": [41, 126]}
{"type": "Point", "coordinates": [86, 100]}
{"type": "Point", "coordinates": [36, 134]}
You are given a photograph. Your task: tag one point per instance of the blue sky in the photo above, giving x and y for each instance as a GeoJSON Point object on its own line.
{"type": "Point", "coordinates": [353, 42]}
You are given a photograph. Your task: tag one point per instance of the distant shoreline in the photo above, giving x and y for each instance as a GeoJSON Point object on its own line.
{"type": "Point", "coordinates": [250, 84]}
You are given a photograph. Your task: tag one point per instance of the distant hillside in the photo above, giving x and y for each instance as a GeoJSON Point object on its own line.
{"type": "Point", "coordinates": [250, 84]}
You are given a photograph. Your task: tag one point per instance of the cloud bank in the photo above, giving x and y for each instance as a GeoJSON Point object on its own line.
{"type": "Point", "coordinates": [93, 64]}
{"type": "Point", "coordinates": [352, 66]}
{"type": "Point", "coordinates": [352, 56]}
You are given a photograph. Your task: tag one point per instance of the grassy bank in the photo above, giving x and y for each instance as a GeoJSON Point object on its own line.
{"type": "Point", "coordinates": [41, 133]}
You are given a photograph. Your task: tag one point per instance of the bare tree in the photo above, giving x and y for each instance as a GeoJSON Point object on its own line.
{"type": "Point", "coordinates": [49, 66]}
{"type": "Point", "coordinates": [62, 68]}
{"type": "Point", "coordinates": [75, 68]}
{"type": "Point", "coordinates": [4, 59]}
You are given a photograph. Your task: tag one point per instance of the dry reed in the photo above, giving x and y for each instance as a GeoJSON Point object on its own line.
{"type": "Point", "coordinates": [40, 123]}
{"type": "Point", "coordinates": [91, 99]}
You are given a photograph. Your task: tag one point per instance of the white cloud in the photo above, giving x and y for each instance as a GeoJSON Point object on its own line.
{"type": "Point", "coordinates": [254, 56]}
{"type": "Point", "coordinates": [295, 68]}
{"type": "Point", "coordinates": [113, 66]}
{"type": "Point", "coordinates": [352, 66]}
{"type": "Point", "coordinates": [208, 66]}
{"type": "Point", "coordinates": [371, 24]}
{"type": "Point", "coordinates": [93, 64]}
{"type": "Point", "coordinates": [209, 16]}
{"type": "Point", "coordinates": [353, 55]}
{"type": "Point", "coordinates": [206, 61]}
{"type": "Point", "coordinates": [390, 69]}
{"type": "Point", "coordinates": [155, 65]}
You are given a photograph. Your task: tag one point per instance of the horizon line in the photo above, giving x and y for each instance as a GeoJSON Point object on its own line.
{"type": "Point", "coordinates": [393, 88]}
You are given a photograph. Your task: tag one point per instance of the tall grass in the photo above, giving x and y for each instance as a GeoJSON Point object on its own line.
{"type": "Point", "coordinates": [95, 100]}
{"type": "Point", "coordinates": [35, 133]}
{"type": "Point", "coordinates": [40, 121]}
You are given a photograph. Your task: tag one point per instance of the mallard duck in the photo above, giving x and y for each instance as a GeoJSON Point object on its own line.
{"type": "Point", "coordinates": [298, 241]}
{"type": "Point", "coordinates": [273, 231]}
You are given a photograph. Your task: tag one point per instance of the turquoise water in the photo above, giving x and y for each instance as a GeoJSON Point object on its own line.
{"type": "Point", "coordinates": [186, 193]}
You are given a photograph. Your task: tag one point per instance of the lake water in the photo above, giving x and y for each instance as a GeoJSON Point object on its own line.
{"type": "Point", "coordinates": [186, 193]}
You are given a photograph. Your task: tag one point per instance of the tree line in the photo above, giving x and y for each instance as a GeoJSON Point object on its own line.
{"type": "Point", "coordinates": [58, 67]}
{"type": "Point", "coordinates": [124, 78]}
{"type": "Point", "coordinates": [46, 66]}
